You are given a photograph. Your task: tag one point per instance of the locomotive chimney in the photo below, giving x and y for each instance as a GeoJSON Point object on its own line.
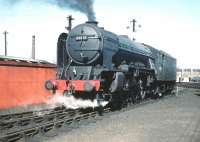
{"type": "Point", "coordinates": [92, 22]}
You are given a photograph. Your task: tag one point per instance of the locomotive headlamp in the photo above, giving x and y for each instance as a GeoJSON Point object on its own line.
{"type": "Point", "coordinates": [88, 87]}
{"type": "Point", "coordinates": [50, 85]}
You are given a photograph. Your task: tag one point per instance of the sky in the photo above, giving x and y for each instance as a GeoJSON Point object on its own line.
{"type": "Point", "coordinates": [172, 26]}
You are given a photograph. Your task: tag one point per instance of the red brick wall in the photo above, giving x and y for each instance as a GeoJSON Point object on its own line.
{"type": "Point", "coordinates": [21, 85]}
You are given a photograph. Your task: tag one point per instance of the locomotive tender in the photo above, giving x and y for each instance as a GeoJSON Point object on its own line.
{"type": "Point", "coordinates": [95, 63]}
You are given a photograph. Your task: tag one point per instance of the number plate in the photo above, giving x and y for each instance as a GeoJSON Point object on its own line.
{"type": "Point", "coordinates": [81, 38]}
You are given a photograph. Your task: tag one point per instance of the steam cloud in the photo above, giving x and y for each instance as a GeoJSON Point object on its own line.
{"type": "Point", "coordinates": [83, 6]}
{"type": "Point", "coordinates": [71, 102]}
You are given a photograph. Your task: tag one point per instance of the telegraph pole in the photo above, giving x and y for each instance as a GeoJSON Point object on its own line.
{"type": "Point", "coordinates": [70, 18]}
{"type": "Point", "coordinates": [133, 26]}
{"type": "Point", "coordinates": [5, 37]}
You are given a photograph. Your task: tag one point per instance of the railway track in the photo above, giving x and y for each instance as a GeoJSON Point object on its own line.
{"type": "Point", "coordinates": [12, 122]}
{"type": "Point", "coordinates": [27, 125]}
{"type": "Point", "coordinates": [188, 85]}
{"type": "Point", "coordinates": [24, 126]}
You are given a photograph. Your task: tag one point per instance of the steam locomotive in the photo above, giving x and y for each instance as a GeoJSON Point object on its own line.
{"type": "Point", "coordinates": [95, 63]}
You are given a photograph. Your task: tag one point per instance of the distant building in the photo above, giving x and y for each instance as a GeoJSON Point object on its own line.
{"type": "Point", "coordinates": [187, 75]}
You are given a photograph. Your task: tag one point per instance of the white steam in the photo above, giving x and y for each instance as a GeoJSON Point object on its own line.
{"type": "Point", "coordinates": [71, 102]}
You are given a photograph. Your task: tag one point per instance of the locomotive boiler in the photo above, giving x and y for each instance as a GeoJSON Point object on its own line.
{"type": "Point", "coordinates": [95, 63]}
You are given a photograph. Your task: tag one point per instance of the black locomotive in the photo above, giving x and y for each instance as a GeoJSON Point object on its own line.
{"type": "Point", "coordinates": [95, 63]}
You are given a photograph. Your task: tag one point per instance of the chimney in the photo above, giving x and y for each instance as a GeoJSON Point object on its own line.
{"type": "Point", "coordinates": [33, 47]}
{"type": "Point", "coordinates": [92, 22]}
{"type": "Point", "coordinates": [5, 36]}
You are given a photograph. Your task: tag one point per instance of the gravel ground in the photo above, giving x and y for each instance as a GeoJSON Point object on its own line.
{"type": "Point", "coordinates": [173, 119]}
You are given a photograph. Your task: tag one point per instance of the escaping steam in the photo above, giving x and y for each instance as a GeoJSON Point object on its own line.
{"type": "Point", "coordinates": [71, 102]}
{"type": "Point", "coordinates": [83, 6]}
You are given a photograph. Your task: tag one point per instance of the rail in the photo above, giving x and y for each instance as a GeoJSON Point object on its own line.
{"type": "Point", "coordinates": [194, 85]}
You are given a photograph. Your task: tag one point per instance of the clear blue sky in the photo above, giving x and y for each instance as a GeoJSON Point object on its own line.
{"type": "Point", "coordinates": [172, 26]}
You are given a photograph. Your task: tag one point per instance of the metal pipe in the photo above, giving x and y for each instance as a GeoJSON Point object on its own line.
{"type": "Point", "coordinates": [5, 37]}
{"type": "Point", "coordinates": [33, 47]}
